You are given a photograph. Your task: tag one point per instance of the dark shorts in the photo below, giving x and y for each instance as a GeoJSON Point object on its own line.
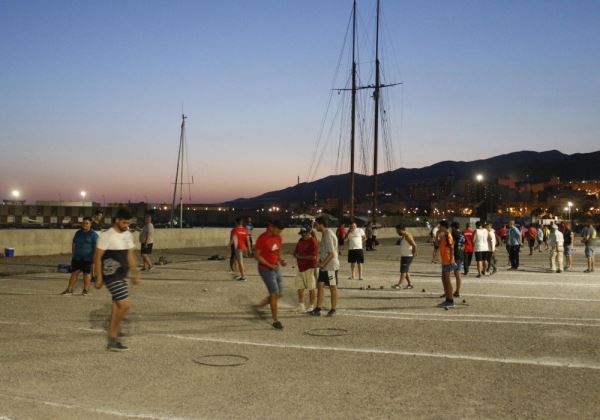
{"type": "Point", "coordinates": [481, 256]}
{"type": "Point", "coordinates": [272, 279]}
{"type": "Point", "coordinates": [356, 256]}
{"type": "Point", "coordinates": [84, 266]}
{"type": "Point", "coordinates": [118, 289]}
{"type": "Point", "coordinates": [531, 243]}
{"type": "Point", "coordinates": [405, 264]}
{"type": "Point", "coordinates": [330, 278]}
{"type": "Point", "coordinates": [147, 249]}
{"type": "Point", "coordinates": [340, 242]}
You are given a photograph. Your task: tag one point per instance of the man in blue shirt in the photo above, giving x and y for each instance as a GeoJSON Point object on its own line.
{"type": "Point", "coordinates": [513, 243]}
{"type": "Point", "coordinates": [84, 244]}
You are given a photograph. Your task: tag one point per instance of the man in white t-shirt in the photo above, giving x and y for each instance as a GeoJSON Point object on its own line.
{"type": "Point", "coordinates": [491, 255]}
{"type": "Point", "coordinates": [329, 264]}
{"type": "Point", "coordinates": [556, 243]}
{"type": "Point", "coordinates": [356, 257]}
{"type": "Point", "coordinates": [482, 247]}
{"type": "Point", "coordinates": [113, 259]}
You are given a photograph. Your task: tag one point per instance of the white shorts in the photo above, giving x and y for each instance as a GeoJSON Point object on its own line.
{"type": "Point", "coordinates": [306, 280]}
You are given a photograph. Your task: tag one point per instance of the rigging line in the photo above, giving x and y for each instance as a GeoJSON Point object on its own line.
{"type": "Point", "coordinates": [328, 136]}
{"type": "Point", "coordinates": [319, 138]}
{"type": "Point", "coordinates": [187, 163]}
{"type": "Point", "coordinates": [335, 76]}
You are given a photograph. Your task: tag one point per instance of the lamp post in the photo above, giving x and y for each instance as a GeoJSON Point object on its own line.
{"type": "Point", "coordinates": [481, 197]}
{"type": "Point", "coordinates": [569, 205]}
{"type": "Point", "coordinates": [15, 194]}
{"type": "Point", "coordinates": [83, 194]}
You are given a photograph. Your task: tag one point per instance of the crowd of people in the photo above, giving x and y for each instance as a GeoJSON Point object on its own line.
{"type": "Point", "coordinates": [106, 257]}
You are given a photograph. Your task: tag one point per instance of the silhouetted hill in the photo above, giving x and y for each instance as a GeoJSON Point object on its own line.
{"type": "Point", "coordinates": [524, 165]}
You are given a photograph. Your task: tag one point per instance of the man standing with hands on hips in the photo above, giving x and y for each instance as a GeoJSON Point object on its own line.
{"type": "Point", "coordinates": [113, 259]}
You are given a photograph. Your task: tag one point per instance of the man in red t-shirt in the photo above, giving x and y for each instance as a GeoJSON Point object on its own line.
{"type": "Point", "coordinates": [341, 233]}
{"type": "Point", "coordinates": [267, 252]}
{"type": "Point", "coordinates": [306, 253]}
{"type": "Point", "coordinates": [469, 248]}
{"type": "Point", "coordinates": [240, 244]}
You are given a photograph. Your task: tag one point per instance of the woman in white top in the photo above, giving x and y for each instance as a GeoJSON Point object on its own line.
{"type": "Point", "coordinates": [356, 237]}
{"type": "Point", "coordinates": [482, 247]}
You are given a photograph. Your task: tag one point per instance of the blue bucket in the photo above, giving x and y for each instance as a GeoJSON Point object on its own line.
{"type": "Point", "coordinates": [9, 252]}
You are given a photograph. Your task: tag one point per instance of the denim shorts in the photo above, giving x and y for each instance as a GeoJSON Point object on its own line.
{"type": "Point", "coordinates": [568, 249]}
{"type": "Point", "coordinates": [273, 280]}
{"type": "Point", "coordinates": [449, 268]}
{"type": "Point", "coordinates": [405, 264]}
{"type": "Point", "coordinates": [589, 251]}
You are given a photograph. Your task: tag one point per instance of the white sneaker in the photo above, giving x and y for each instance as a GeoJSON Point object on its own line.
{"type": "Point", "coordinates": [301, 307]}
{"type": "Point", "coordinates": [310, 309]}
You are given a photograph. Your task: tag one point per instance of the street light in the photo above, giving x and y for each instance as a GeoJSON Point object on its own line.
{"type": "Point", "coordinates": [15, 194]}
{"type": "Point", "coordinates": [569, 205]}
{"type": "Point", "coordinates": [479, 177]}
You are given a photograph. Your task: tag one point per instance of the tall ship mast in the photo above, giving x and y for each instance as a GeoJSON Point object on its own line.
{"type": "Point", "coordinates": [179, 174]}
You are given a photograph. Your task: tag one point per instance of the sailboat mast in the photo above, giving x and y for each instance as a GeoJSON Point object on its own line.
{"type": "Point", "coordinates": [353, 129]}
{"type": "Point", "coordinates": [182, 142]}
{"type": "Point", "coordinates": [175, 183]}
{"type": "Point", "coordinates": [178, 178]}
{"type": "Point", "coordinates": [376, 122]}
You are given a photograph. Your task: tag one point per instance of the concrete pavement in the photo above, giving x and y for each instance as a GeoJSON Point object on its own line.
{"type": "Point", "coordinates": [525, 345]}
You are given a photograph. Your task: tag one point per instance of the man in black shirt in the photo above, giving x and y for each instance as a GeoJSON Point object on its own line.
{"type": "Point", "coordinates": [568, 235]}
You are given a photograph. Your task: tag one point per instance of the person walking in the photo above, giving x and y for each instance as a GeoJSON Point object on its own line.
{"type": "Point", "coordinates": [113, 260]}
{"type": "Point", "coordinates": [249, 229]}
{"type": "Point", "coordinates": [408, 250]}
{"type": "Point", "coordinates": [491, 254]}
{"type": "Point", "coordinates": [369, 234]}
{"type": "Point", "coordinates": [307, 254]}
{"type": "Point", "coordinates": [83, 247]}
{"type": "Point", "coordinates": [356, 257]}
{"type": "Point", "coordinates": [267, 252]}
{"type": "Point", "coordinates": [98, 222]}
{"type": "Point", "coordinates": [329, 265]}
{"type": "Point", "coordinates": [469, 248]}
{"type": "Point", "coordinates": [341, 233]}
{"type": "Point", "coordinates": [539, 238]}
{"type": "Point", "coordinates": [568, 236]}
{"type": "Point", "coordinates": [459, 254]}
{"type": "Point", "coordinates": [238, 239]}
{"type": "Point", "coordinates": [531, 236]}
{"type": "Point", "coordinates": [556, 244]}
{"type": "Point", "coordinates": [147, 242]}
{"type": "Point", "coordinates": [482, 247]}
{"type": "Point", "coordinates": [435, 242]}
{"type": "Point", "coordinates": [513, 242]}
{"type": "Point", "coordinates": [446, 243]}
{"type": "Point", "coordinates": [589, 240]}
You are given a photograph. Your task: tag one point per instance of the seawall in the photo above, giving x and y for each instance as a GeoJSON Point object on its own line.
{"type": "Point", "coordinates": [28, 242]}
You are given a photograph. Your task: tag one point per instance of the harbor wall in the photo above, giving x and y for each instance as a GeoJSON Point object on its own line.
{"type": "Point", "coordinates": [28, 242]}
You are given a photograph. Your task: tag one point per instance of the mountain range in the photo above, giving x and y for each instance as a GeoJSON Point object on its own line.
{"type": "Point", "coordinates": [528, 166]}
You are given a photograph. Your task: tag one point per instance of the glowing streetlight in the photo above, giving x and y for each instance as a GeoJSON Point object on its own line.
{"type": "Point", "coordinates": [479, 177]}
{"type": "Point", "coordinates": [15, 194]}
{"type": "Point", "coordinates": [569, 205]}
{"type": "Point", "coordinates": [83, 194]}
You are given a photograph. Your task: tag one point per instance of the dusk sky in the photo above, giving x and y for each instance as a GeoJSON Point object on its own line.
{"type": "Point", "coordinates": [91, 92]}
